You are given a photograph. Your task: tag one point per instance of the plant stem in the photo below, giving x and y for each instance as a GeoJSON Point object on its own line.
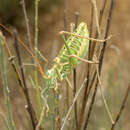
{"type": "Point", "coordinates": [27, 24]}
{"type": "Point", "coordinates": [75, 99]}
{"type": "Point", "coordinates": [5, 84]}
{"type": "Point", "coordinates": [26, 91]}
{"type": "Point", "coordinates": [101, 57]}
{"type": "Point", "coordinates": [121, 108]}
{"type": "Point", "coordinates": [74, 78]}
{"type": "Point", "coordinates": [38, 98]}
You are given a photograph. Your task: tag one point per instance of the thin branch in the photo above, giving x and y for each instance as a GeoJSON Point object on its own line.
{"type": "Point", "coordinates": [41, 55]}
{"type": "Point", "coordinates": [102, 12]}
{"type": "Point", "coordinates": [81, 59]}
{"type": "Point", "coordinates": [100, 21]}
{"type": "Point", "coordinates": [103, 98]}
{"type": "Point", "coordinates": [90, 43]}
{"type": "Point", "coordinates": [70, 85]}
{"type": "Point", "coordinates": [84, 101]}
{"type": "Point", "coordinates": [29, 107]}
{"type": "Point", "coordinates": [106, 34]}
{"type": "Point", "coordinates": [5, 83]}
{"type": "Point", "coordinates": [67, 80]}
{"type": "Point", "coordinates": [40, 120]}
{"type": "Point", "coordinates": [91, 106]}
{"type": "Point", "coordinates": [121, 108]}
{"type": "Point", "coordinates": [65, 21]}
{"type": "Point", "coordinates": [38, 98]}
{"type": "Point", "coordinates": [38, 127]}
{"type": "Point", "coordinates": [96, 15]}
{"type": "Point", "coordinates": [92, 39]}
{"type": "Point", "coordinates": [5, 121]}
{"type": "Point", "coordinates": [75, 98]}
{"type": "Point", "coordinates": [27, 24]}
{"type": "Point", "coordinates": [27, 49]}
{"type": "Point", "coordinates": [11, 60]}
{"type": "Point", "coordinates": [100, 64]}
{"type": "Point", "coordinates": [92, 49]}
{"type": "Point", "coordinates": [74, 78]}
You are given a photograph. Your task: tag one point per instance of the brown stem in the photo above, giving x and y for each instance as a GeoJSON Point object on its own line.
{"type": "Point", "coordinates": [29, 106]}
{"type": "Point", "coordinates": [27, 49]}
{"type": "Point", "coordinates": [121, 108]}
{"type": "Point", "coordinates": [100, 64]}
{"type": "Point", "coordinates": [74, 79]}
{"type": "Point", "coordinates": [81, 116]}
{"type": "Point", "coordinates": [90, 55]}
{"type": "Point", "coordinates": [27, 24]}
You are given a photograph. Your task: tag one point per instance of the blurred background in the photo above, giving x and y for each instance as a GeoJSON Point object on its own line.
{"type": "Point", "coordinates": [116, 69]}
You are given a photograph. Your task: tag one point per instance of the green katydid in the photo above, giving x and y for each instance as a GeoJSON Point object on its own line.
{"type": "Point", "coordinates": [74, 48]}
{"type": "Point", "coordinates": [73, 51]}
